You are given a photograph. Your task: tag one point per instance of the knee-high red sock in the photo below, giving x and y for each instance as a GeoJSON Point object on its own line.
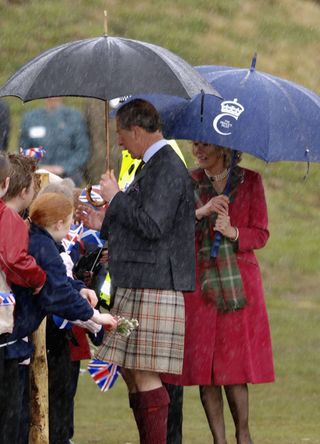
{"type": "Point", "coordinates": [151, 413]}
{"type": "Point", "coordinates": [133, 406]}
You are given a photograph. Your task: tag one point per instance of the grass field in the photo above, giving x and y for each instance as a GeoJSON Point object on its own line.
{"type": "Point", "coordinates": [286, 35]}
{"type": "Point", "coordinates": [286, 412]}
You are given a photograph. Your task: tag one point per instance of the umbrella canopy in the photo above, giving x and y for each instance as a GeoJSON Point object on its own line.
{"type": "Point", "coordinates": [104, 68]}
{"type": "Point", "coordinates": [268, 117]}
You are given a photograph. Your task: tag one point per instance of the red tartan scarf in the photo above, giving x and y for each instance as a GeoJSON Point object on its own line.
{"type": "Point", "coordinates": [220, 277]}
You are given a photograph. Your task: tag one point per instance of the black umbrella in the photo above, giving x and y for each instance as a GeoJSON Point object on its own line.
{"type": "Point", "coordinates": [105, 68]}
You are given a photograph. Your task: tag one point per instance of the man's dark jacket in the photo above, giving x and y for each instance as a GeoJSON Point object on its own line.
{"type": "Point", "coordinates": [150, 227]}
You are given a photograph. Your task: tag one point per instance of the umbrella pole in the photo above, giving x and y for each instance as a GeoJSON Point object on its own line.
{"type": "Point", "coordinates": [106, 121]}
{"type": "Point", "coordinates": [106, 104]}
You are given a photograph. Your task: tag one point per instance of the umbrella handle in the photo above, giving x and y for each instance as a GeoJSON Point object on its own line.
{"type": "Point", "coordinates": [91, 200]}
{"type": "Point", "coordinates": [218, 236]}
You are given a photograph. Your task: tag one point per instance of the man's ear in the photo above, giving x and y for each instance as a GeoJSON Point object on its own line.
{"type": "Point", "coordinates": [138, 132]}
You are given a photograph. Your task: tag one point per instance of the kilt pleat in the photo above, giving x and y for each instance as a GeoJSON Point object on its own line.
{"type": "Point", "coordinates": [158, 343]}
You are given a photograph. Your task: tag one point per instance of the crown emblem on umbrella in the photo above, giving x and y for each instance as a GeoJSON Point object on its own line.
{"type": "Point", "coordinates": [232, 107]}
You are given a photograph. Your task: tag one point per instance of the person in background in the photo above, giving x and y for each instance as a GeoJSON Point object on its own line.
{"type": "Point", "coordinates": [4, 125]}
{"type": "Point", "coordinates": [94, 111]}
{"type": "Point", "coordinates": [149, 271]}
{"type": "Point", "coordinates": [228, 343]}
{"type": "Point", "coordinates": [62, 132]}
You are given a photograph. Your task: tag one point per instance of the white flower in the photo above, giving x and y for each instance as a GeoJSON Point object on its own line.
{"type": "Point", "coordinates": [125, 326]}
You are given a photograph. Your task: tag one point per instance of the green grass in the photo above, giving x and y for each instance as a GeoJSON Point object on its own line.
{"type": "Point", "coordinates": [285, 412]}
{"type": "Point", "coordinates": [286, 35]}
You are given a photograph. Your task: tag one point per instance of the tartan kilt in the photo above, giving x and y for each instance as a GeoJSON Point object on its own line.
{"type": "Point", "coordinates": [158, 343]}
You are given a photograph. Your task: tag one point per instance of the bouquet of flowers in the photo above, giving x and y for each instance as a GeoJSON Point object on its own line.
{"type": "Point", "coordinates": [126, 326]}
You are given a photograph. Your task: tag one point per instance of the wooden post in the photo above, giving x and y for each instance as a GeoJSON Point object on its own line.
{"type": "Point", "coordinates": [39, 422]}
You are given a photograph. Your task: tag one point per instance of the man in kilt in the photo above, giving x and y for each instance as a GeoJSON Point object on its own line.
{"type": "Point", "coordinates": [150, 231]}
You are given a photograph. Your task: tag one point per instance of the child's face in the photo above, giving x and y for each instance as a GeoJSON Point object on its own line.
{"type": "Point", "coordinates": [60, 229]}
{"type": "Point", "coordinates": [63, 228]}
{"type": "Point", "coordinates": [28, 195]}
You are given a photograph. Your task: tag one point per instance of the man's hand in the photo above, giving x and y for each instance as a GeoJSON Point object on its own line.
{"type": "Point", "coordinates": [109, 185]}
{"type": "Point", "coordinates": [91, 218]}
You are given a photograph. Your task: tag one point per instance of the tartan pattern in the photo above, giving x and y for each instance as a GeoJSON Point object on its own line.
{"type": "Point", "coordinates": [220, 278]}
{"type": "Point", "coordinates": [158, 343]}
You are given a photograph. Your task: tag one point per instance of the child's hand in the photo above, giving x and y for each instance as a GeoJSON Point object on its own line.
{"type": "Point", "coordinates": [90, 295]}
{"type": "Point", "coordinates": [87, 278]}
{"type": "Point", "coordinates": [105, 319]}
{"type": "Point", "coordinates": [37, 290]}
{"type": "Point", "coordinates": [104, 257]}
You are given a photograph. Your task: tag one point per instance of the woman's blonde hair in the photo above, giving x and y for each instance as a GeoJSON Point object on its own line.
{"type": "Point", "coordinates": [230, 156]}
{"type": "Point", "coordinates": [48, 208]}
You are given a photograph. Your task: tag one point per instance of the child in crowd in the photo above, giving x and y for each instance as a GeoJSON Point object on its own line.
{"type": "Point", "coordinates": [16, 267]}
{"type": "Point", "coordinates": [66, 347]}
{"type": "Point", "coordinates": [51, 215]}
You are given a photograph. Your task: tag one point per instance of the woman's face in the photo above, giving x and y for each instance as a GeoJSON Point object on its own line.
{"type": "Point", "coordinates": [209, 157]}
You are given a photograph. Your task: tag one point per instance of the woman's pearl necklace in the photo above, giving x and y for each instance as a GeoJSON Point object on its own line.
{"type": "Point", "coordinates": [218, 177]}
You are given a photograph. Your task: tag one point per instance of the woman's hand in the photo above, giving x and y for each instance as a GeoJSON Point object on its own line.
{"type": "Point", "coordinates": [90, 295]}
{"type": "Point", "coordinates": [224, 227]}
{"type": "Point", "coordinates": [217, 204]}
{"type": "Point", "coordinates": [91, 218]}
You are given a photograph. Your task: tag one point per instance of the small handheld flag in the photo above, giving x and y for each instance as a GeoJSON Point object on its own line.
{"type": "Point", "coordinates": [72, 237]}
{"type": "Point", "coordinates": [91, 236]}
{"type": "Point", "coordinates": [7, 304]}
{"type": "Point", "coordinates": [103, 373]}
{"type": "Point", "coordinates": [7, 299]}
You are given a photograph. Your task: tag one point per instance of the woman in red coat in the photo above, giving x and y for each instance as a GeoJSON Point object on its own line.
{"type": "Point", "coordinates": [227, 341]}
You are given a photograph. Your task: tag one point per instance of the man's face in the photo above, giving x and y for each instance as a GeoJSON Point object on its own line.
{"type": "Point", "coordinates": [129, 139]}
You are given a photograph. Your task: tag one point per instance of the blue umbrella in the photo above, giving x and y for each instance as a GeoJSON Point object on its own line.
{"type": "Point", "coordinates": [263, 115]}
{"type": "Point", "coordinates": [271, 118]}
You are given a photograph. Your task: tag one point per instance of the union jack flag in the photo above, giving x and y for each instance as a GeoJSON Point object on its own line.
{"type": "Point", "coordinates": [72, 237]}
{"type": "Point", "coordinates": [103, 373]}
{"type": "Point", "coordinates": [7, 299]}
{"type": "Point", "coordinates": [36, 152]}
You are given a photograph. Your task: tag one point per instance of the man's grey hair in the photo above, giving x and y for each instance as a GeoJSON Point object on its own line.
{"type": "Point", "coordinates": [138, 112]}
